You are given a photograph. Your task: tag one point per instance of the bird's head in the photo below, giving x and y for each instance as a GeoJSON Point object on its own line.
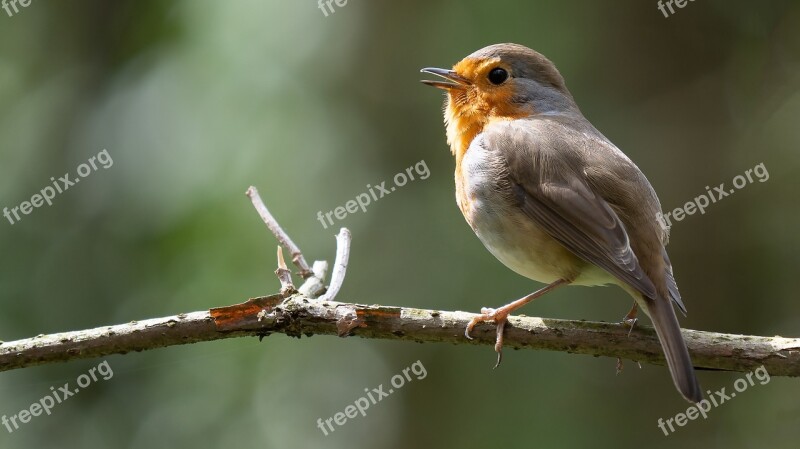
{"type": "Point", "coordinates": [502, 81]}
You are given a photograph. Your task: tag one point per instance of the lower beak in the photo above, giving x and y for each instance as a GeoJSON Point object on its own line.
{"type": "Point", "coordinates": [454, 80]}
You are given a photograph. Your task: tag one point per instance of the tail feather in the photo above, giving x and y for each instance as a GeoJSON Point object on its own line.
{"type": "Point", "coordinates": [669, 334]}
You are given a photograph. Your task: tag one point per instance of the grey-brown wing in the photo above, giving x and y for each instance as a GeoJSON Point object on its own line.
{"type": "Point", "coordinates": [559, 200]}
{"type": "Point", "coordinates": [672, 286]}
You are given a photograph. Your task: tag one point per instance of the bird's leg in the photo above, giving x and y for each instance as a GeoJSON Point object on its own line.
{"type": "Point", "coordinates": [630, 319]}
{"type": "Point", "coordinates": [500, 316]}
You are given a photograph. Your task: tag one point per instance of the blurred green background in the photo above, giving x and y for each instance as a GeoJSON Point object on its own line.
{"type": "Point", "coordinates": [196, 100]}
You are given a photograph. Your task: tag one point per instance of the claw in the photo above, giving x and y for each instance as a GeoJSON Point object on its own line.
{"type": "Point", "coordinates": [470, 326]}
{"type": "Point", "coordinates": [498, 345]}
{"type": "Point", "coordinates": [630, 322]}
{"type": "Point", "coordinates": [500, 320]}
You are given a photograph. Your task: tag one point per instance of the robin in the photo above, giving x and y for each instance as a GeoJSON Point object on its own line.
{"type": "Point", "coordinates": [551, 197]}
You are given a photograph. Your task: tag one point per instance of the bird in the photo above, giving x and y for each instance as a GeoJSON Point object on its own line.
{"type": "Point", "coordinates": [552, 198]}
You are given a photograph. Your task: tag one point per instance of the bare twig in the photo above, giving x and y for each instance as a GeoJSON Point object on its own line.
{"type": "Point", "coordinates": [284, 276]}
{"type": "Point", "coordinates": [340, 265]}
{"type": "Point", "coordinates": [280, 234]}
{"type": "Point", "coordinates": [303, 316]}
{"type": "Point", "coordinates": [314, 286]}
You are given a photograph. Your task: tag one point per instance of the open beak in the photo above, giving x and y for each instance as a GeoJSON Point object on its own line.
{"type": "Point", "coordinates": [454, 80]}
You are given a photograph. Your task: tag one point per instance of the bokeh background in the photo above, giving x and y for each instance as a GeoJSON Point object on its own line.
{"type": "Point", "coordinates": [196, 99]}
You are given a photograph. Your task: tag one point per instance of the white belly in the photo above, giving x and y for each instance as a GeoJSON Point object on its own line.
{"type": "Point", "coordinates": [513, 237]}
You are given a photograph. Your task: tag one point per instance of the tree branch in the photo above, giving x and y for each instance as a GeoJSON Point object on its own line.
{"type": "Point", "coordinates": [295, 312]}
{"type": "Point", "coordinates": [299, 315]}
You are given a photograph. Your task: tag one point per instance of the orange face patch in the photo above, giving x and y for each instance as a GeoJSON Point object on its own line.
{"type": "Point", "coordinates": [470, 108]}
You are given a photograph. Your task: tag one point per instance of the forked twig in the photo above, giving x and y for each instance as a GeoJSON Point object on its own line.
{"type": "Point", "coordinates": [280, 234]}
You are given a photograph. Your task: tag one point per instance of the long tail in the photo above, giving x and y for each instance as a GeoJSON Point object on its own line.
{"type": "Point", "coordinates": [669, 334]}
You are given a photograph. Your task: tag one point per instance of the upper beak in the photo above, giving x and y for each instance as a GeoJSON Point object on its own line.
{"type": "Point", "coordinates": [454, 80]}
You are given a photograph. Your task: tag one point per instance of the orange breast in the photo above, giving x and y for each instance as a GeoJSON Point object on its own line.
{"type": "Point", "coordinates": [461, 130]}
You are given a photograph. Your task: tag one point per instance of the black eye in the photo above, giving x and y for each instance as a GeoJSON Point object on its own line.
{"type": "Point", "coordinates": [498, 75]}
